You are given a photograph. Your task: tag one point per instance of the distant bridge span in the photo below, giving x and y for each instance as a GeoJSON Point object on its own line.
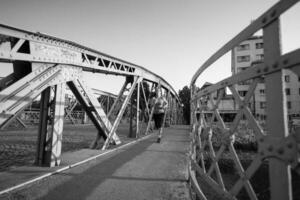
{"type": "Point", "coordinates": [43, 64]}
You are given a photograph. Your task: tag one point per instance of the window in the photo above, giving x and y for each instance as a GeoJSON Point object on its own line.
{"type": "Point", "coordinates": [263, 117]}
{"type": "Point", "coordinates": [287, 78]}
{"type": "Point", "coordinates": [243, 58]}
{"type": "Point", "coordinates": [259, 45]}
{"type": "Point", "coordinates": [289, 105]}
{"type": "Point", "coordinates": [243, 47]}
{"type": "Point", "coordinates": [240, 69]}
{"type": "Point", "coordinates": [262, 104]}
{"type": "Point", "coordinates": [287, 91]}
{"type": "Point", "coordinates": [259, 56]}
{"type": "Point", "coordinates": [262, 91]}
{"type": "Point", "coordinates": [242, 93]}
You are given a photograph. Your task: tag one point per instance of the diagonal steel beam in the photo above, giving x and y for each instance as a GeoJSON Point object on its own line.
{"type": "Point", "coordinates": [93, 109]}
{"type": "Point", "coordinates": [120, 95]}
{"type": "Point", "coordinates": [121, 112]}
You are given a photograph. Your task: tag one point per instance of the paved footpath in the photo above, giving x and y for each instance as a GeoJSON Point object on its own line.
{"type": "Point", "coordinates": [145, 170]}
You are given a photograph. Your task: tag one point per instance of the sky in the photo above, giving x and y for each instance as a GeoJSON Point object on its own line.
{"type": "Point", "coordinates": [171, 38]}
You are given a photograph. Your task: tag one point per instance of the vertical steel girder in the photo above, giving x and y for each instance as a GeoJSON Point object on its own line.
{"type": "Point", "coordinates": [138, 108]}
{"type": "Point", "coordinates": [135, 116]}
{"type": "Point", "coordinates": [43, 127]}
{"type": "Point", "coordinates": [280, 173]}
{"type": "Point", "coordinates": [131, 119]}
{"type": "Point", "coordinates": [51, 127]}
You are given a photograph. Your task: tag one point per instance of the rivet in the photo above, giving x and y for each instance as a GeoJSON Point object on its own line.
{"type": "Point", "coordinates": [273, 13]}
{"type": "Point", "coordinates": [275, 65]}
{"type": "Point", "coordinates": [290, 145]}
{"type": "Point", "coordinates": [264, 20]}
{"type": "Point", "coordinates": [286, 61]}
{"type": "Point", "coordinates": [280, 150]}
{"type": "Point", "coordinates": [266, 69]}
{"type": "Point", "coordinates": [270, 148]}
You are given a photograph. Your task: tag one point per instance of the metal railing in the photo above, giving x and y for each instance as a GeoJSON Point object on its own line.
{"type": "Point", "coordinates": [274, 159]}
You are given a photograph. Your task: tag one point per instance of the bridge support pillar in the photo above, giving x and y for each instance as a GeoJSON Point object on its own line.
{"type": "Point", "coordinates": [134, 128]}
{"type": "Point", "coordinates": [131, 119]}
{"type": "Point", "coordinates": [51, 126]}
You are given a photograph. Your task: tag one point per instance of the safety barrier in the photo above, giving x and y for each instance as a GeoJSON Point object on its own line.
{"type": "Point", "coordinates": [275, 158]}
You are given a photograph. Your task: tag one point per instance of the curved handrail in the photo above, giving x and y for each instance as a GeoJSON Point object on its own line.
{"type": "Point", "coordinates": [274, 132]}
{"type": "Point", "coordinates": [265, 19]}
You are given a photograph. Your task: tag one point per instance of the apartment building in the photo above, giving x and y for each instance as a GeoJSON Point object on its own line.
{"type": "Point", "coordinates": [249, 53]}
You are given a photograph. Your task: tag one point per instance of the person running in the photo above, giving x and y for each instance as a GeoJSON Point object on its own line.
{"type": "Point", "coordinates": [160, 105]}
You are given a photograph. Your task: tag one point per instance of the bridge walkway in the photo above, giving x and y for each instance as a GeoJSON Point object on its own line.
{"type": "Point", "coordinates": [144, 170]}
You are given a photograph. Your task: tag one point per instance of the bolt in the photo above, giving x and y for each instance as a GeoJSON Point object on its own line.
{"type": "Point", "coordinates": [286, 61]}
{"type": "Point", "coordinates": [264, 20]}
{"type": "Point", "coordinates": [266, 69]}
{"type": "Point", "coordinates": [275, 65]}
{"type": "Point", "coordinates": [258, 71]}
{"type": "Point", "coordinates": [270, 148]}
{"type": "Point", "coordinates": [290, 145]}
{"type": "Point", "coordinates": [273, 13]}
{"type": "Point", "coordinates": [280, 150]}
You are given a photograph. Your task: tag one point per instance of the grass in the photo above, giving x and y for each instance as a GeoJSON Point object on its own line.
{"type": "Point", "coordinates": [18, 147]}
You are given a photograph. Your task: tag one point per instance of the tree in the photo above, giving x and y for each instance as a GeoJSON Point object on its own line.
{"type": "Point", "coordinates": [185, 96]}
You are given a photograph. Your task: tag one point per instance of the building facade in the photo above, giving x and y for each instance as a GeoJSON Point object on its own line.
{"type": "Point", "coordinates": [249, 53]}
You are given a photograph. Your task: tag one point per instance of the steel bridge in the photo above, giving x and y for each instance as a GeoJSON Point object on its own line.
{"type": "Point", "coordinates": [44, 65]}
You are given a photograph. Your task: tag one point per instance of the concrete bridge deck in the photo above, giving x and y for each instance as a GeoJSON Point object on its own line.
{"type": "Point", "coordinates": [144, 170]}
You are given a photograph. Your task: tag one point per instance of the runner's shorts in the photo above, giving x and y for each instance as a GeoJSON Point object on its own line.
{"type": "Point", "coordinates": [158, 119]}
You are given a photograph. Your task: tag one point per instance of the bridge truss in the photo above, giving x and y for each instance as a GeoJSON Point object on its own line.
{"type": "Point", "coordinates": [278, 146]}
{"type": "Point", "coordinates": [43, 65]}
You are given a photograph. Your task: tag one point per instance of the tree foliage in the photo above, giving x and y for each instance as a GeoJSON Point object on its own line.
{"type": "Point", "coordinates": [185, 96]}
